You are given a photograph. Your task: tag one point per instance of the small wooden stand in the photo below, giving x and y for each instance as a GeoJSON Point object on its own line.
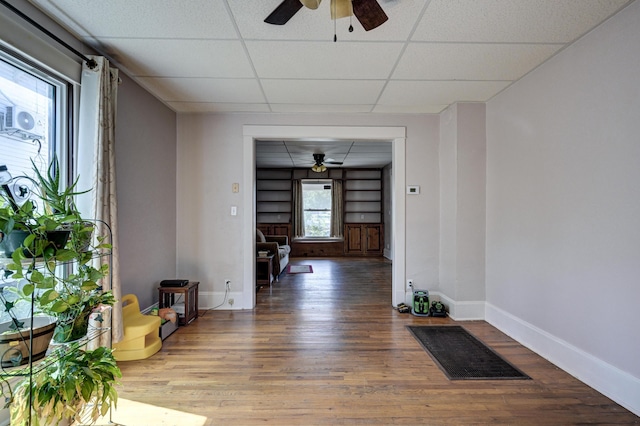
{"type": "Point", "coordinates": [166, 299]}
{"type": "Point", "coordinates": [264, 270]}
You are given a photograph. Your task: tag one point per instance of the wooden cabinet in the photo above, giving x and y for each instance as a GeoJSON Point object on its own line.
{"type": "Point", "coordinates": [363, 239]}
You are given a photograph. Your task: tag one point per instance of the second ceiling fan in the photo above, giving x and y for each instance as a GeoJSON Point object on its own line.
{"type": "Point", "coordinates": [319, 163]}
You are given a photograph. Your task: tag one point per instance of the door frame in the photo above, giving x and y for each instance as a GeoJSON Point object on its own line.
{"type": "Point", "coordinates": [395, 135]}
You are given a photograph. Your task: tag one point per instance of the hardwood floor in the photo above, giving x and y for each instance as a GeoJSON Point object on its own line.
{"type": "Point", "coordinates": [328, 348]}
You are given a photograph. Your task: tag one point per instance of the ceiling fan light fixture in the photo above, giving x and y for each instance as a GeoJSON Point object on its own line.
{"type": "Point", "coordinates": [319, 168]}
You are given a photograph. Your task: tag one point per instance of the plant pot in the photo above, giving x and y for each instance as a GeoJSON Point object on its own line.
{"type": "Point", "coordinates": [72, 329]}
{"type": "Point", "coordinates": [14, 345]}
{"type": "Point", "coordinates": [81, 236]}
{"type": "Point", "coordinates": [11, 242]}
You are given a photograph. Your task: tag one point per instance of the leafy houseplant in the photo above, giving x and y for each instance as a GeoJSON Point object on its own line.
{"type": "Point", "coordinates": [63, 388]}
{"type": "Point", "coordinates": [63, 280]}
{"type": "Point", "coordinates": [70, 296]}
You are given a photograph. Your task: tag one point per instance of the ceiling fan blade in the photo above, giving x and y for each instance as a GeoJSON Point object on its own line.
{"type": "Point", "coordinates": [369, 13]}
{"type": "Point", "coordinates": [311, 4]}
{"type": "Point", "coordinates": [335, 163]}
{"type": "Point", "coordinates": [284, 12]}
{"type": "Point", "coordinates": [341, 9]}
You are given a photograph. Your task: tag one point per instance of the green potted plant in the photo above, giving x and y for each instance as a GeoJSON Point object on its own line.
{"type": "Point", "coordinates": [73, 384]}
{"type": "Point", "coordinates": [69, 296]}
{"type": "Point", "coordinates": [42, 232]}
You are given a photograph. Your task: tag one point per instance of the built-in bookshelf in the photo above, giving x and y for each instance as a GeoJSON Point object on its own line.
{"type": "Point", "coordinates": [363, 201]}
{"type": "Point", "coordinates": [273, 196]}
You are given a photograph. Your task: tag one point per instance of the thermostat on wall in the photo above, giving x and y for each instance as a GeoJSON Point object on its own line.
{"type": "Point", "coordinates": [413, 189]}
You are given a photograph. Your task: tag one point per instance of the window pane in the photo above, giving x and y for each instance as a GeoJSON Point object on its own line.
{"type": "Point", "coordinates": [27, 120]}
{"type": "Point", "coordinates": [316, 199]}
{"type": "Point", "coordinates": [32, 127]}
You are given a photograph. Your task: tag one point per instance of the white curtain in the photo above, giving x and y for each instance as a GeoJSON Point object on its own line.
{"type": "Point", "coordinates": [96, 167]}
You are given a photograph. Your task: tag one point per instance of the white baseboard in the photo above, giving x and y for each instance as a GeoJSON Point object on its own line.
{"type": "Point", "coordinates": [459, 311]}
{"type": "Point", "coordinates": [621, 387]}
{"type": "Point", "coordinates": [387, 253]}
{"type": "Point", "coordinates": [216, 300]}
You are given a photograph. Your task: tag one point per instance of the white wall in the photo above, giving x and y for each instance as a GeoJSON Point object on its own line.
{"type": "Point", "coordinates": [210, 159]}
{"type": "Point", "coordinates": [563, 209]}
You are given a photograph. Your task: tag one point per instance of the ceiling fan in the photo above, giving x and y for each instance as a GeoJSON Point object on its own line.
{"type": "Point", "coordinates": [319, 165]}
{"type": "Point", "coordinates": [368, 12]}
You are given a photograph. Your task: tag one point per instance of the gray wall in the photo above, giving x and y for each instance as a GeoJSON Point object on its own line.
{"type": "Point", "coordinates": [146, 182]}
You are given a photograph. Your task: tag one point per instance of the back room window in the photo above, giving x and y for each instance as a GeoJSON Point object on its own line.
{"type": "Point", "coordinates": [316, 202]}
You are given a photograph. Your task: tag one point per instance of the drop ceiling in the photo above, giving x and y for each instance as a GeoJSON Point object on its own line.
{"type": "Point", "coordinates": [352, 154]}
{"type": "Point", "coordinates": [219, 55]}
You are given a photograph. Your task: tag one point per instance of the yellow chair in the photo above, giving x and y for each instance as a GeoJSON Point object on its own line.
{"type": "Point", "coordinates": [141, 332]}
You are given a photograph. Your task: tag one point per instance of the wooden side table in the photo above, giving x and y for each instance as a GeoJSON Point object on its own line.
{"type": "Point", "coordinates": [264, 270]}
{"type": "Point", "coordinates": [166, 299]}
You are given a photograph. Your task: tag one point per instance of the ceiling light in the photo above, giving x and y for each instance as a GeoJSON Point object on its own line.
{"type": "Point", "coordinates": [319, 168]}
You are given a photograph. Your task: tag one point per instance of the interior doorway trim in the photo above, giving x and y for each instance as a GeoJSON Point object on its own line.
{"type": "Point", "coordinates": [395, 135]}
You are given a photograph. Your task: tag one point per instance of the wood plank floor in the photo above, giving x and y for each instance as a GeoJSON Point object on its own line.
{"type": "Point", "coordinates": [328, 348]}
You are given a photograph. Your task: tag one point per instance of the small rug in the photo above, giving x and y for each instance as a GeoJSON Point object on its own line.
{"type": "Point", "coordinates": [299, 269]}
{"type": "Point", "coordinates": [461, 356]}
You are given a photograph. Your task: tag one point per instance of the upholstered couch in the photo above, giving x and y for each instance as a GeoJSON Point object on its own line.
{"type": "Point", "coordinates": [275, 244]}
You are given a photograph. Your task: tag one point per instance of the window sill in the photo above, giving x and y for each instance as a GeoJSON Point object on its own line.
{"type": "Point", "coordinates": [317, 240]}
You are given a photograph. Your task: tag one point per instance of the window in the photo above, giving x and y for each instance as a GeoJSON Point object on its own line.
{"type": "Point", "coordinates": [316, 204]}
{"type": "Point", "coordinates": [33, 127]}
{"type": "Point", "coordinates": [32, 122]}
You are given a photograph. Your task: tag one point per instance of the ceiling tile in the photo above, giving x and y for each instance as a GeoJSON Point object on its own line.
{"type": "Point", "coordinates": [181, 58]}
{"type": "Point", "coordinates": [456, 61]}
{"type": "Point", "coordinates": [205, 89]}
{"type": "Point", "coordinates": [146, 18]}
{"type": "Point", "coordinates": [321, 60]}
{"type": "Point", "coordinates": [327, 92]}
{"type": "Point", "coordinates": [512, 21]}
{"type": "Point", "coordinates": [415, 93]}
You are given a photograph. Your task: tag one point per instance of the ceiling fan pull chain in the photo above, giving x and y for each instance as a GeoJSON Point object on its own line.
{"type": "Point", "coordinates": [335, 33]}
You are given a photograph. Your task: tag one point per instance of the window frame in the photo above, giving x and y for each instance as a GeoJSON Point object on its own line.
{"type": "Point", "coordinates": [329, 209]}
{"type": "Point", "coordinates": [61, 127]}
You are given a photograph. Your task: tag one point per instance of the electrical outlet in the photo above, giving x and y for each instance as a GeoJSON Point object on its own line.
{"type": "Point", "coordinates": [231, 302]}
{"type": "Point", "coordinates": [227, 284]}
{"type": "Point", "coordinates": [410, 284]}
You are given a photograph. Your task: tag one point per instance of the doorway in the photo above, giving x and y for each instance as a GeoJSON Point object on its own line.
{"type": "Point", "coordinates": [395, 135]}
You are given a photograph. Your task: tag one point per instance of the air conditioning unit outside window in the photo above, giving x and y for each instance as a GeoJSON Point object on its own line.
{"type": "Point", "coordinates": [27, 123]}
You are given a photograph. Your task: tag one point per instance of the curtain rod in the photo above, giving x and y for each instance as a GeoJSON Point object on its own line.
{"type": "Point", "coordinates": [90, 62]}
